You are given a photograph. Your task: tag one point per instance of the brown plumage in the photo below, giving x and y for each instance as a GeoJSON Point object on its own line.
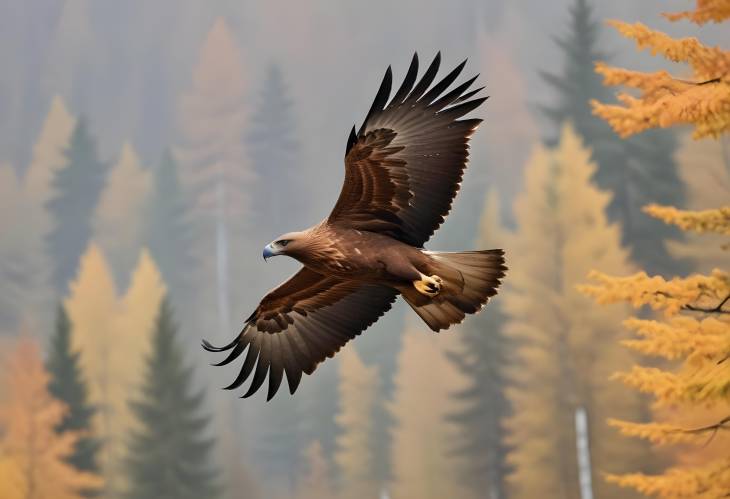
{"type": "Point", "coordinates": [402, 171]}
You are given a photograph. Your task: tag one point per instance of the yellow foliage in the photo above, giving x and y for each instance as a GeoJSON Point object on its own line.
{"type": "Point", "coordinates": [666, 101]}
{"type": "Point", "coordinates": [706, 10]}
{"type": "Point", "coordinates": [113, 338]}
{"type": "Point", "coordinates": [424, 465]}
{"type": "Point", "coordinates": [32, 453]}
{"type": "Point", "coordinates": [354, 457]}
{"type": "Point", "coordinates": [566, 349]}
{"type": "Point", "coordinates": [716, 220]}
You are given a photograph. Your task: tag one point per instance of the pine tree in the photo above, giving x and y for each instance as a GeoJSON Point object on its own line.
{"type": "Point", "coordinates": [483, 357]}
{"type": "Point", "coordinates": [169, 454]}
{"type": "Point", "coordinates": [638, 171]}
{"type": "Point", "coordinates": [68, 386]}
{"type": "Point", "coordinates": [275, 154]}
{"type": "Point", "coordinates": [33, 453]}
{"type": "Point", "coordinates": [566, 350]}
{"type": "Point", "coordinates": [118, 219]}
{"type": "Point", "coordinates": [423, 438]}
{"type": "Point", "coordinates": [77, 185]}
{"type": "Point", "coordinates": [168, 231]}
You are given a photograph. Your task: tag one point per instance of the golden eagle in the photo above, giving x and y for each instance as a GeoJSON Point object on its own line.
{"type": "Point", "coordinates": [403, 168]}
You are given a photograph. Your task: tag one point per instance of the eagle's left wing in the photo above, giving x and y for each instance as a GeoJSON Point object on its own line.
{"type": "Point", "coordinates": [300, 323]}
{"type": "Point", "coordinates": [403, 167]}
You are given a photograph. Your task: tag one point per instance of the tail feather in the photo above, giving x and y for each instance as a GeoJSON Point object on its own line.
{"type": "Point", "coordinates": [470, 279]}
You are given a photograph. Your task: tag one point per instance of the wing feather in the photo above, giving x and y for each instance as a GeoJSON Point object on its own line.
{"type": "Point", "coordinates": [307, 319]}
{"type": "Point", "coordinates": [404, 166]}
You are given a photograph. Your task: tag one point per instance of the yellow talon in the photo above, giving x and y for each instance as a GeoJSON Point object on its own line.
{"type": "Point", "coordinates": [428, 285]}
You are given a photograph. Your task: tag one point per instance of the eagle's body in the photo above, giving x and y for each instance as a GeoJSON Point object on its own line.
{"type": "Point", "coordinates": [402, 172]}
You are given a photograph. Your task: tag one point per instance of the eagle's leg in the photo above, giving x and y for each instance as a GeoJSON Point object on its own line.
{"type": "Point", "coordinates": [428, 285]}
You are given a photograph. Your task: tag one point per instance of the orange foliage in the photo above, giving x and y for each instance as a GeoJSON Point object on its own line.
{"type": "Point", "coordinates": [32, 454]}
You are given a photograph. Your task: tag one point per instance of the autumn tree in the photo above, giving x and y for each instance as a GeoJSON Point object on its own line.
{"type": "Point", "coordinates": [354, 456]}
{"type": "Point", "coordinates": [68, 385]}
{"type": "Point", "coordinates": [565, 349]}
{"type": "Point", "coordinates": [482, 358]}
{"type": "Point", "coordinates": [112, 335]}
{"type": "Point", "coordinates": [705, 170]}
{"type": "Point", "coordinates": [315, 482]}
{"type": "Point", "coordinates": [423, 438]}
{"type": "Point", "coordinates": [170, 454]}
{"type": "Point", "coordinates": [33, 452]}
{"type": "Point", "coordinates": [214, 169]}
{"type": "Point", "coordinates": [76, 190]}
{"type": "Point", "coordinates": [693, 332]}
{"type": "Point", "coordinates": [636, 172]}
{"type": "Point", "coordinates": [118, 220]}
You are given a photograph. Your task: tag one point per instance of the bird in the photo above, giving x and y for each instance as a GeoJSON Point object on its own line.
{"type": "Point", "coordinates": [403, 169]}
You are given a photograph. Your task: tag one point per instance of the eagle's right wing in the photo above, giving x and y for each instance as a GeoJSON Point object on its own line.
{"type": "Point", "coordinates": [296, 326]}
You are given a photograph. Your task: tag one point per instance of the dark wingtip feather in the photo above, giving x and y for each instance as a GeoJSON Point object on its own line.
{"type": "Point", "coordinates": [381, 98]}
{"type": "Point", "coordinates": [443, 84]}
{"type": "Point", "coordinates": [235, 353]}
{"type": "Point", "coordinates": [408, 81]}
{"type": "Point", "coordinates": [351, 140]}
{"type": "Point", "coordinates": [210, 348]}
{"type": "Point", "coordinates": [427, 77]}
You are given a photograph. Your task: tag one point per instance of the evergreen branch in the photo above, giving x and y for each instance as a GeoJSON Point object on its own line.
{"type": "Point", "coordinates": [716, 310]}
{"type": "Point", "coordinates": [713, 428]}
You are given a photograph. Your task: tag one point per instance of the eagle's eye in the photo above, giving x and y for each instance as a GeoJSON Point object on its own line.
{"type": "Point", "coordinates": [283, 242]}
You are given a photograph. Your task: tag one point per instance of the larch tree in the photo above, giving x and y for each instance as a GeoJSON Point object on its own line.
{"type": "Point", "coordinates": [694, 331]}
{"type": "Point", "coordinates": [705, 170]}
{"type": "Point", "coordinates": [565, 349]}
{"type": "Point", "coordinates": [482, 358]}
{"type": "Point", "coordinates": [424, 465]}
{"type": "Point", "coordinates": [47, 159]}
{"type": "Point", "coordinates": [118, 220]}
{"type": "Point", "coordinates": [354, 456]}
{"type": "Point", "coordinates": [214, 167]}
{"type": "Point", "coordinates": [315, 482]}
{"type": "Point", "coordinates": [170, 454]}
{"type": "Point", "coordinates": [112, 336]}
{"type": "Point", "coordinates": [639, 171]}
{"type": "Point", "coordinates": [68, 385]}
{"type": "Point", "coordinates": [76, 190]}
{"type": "Point", "coordinates": [33, 452]}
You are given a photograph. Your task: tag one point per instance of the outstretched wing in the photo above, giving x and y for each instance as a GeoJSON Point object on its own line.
{"type": "Point", "coordinates": [404, 165]}
{"type": "Point", "coordinates": [300, 323]}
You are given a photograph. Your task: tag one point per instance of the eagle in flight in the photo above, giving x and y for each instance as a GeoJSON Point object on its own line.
{"type": "Point", "coordinates": [403, 168]}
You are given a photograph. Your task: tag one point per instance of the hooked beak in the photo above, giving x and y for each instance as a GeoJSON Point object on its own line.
{"type": "Point", "coordinates": [268, 251]}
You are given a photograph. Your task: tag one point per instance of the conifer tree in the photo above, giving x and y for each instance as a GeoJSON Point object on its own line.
{"type": "Point", "coordinates": [482, 358]}
{"type": "Point", "coordinates": [33, 452]}
{"type": "Point", "coordinates": [170, 453]}
{"type": "Point", "coordinates": [566, 350]}
{"type": "Point", "coordinates": [68, 385]}
{"type": "Point", "coordinates": [275, 154]}
{"type": "Point", "coordinates": [636, 172]}
{"type": "Point", "coordinates": [77, 187]}
{"type": "Point", "coordinates": [316, 483]}
{"type": "Point", "coordinates": [168, 230]}
{"type": "Point", "coordinates": [694, 331]}
{"type": "Point", "coordinates": [118, 219]}
{"type": "Point", "coordinates": [354, 456]}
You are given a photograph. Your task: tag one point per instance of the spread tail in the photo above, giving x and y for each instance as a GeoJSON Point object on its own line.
{"type": "Point", "coordinates": [470, 278]}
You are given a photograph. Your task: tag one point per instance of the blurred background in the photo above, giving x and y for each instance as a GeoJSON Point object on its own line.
{"type": "Point", "coordinates": [149, 150]}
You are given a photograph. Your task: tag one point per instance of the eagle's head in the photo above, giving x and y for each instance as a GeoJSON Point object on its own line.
{"type": "Point", "coordinates": [286, 244]}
